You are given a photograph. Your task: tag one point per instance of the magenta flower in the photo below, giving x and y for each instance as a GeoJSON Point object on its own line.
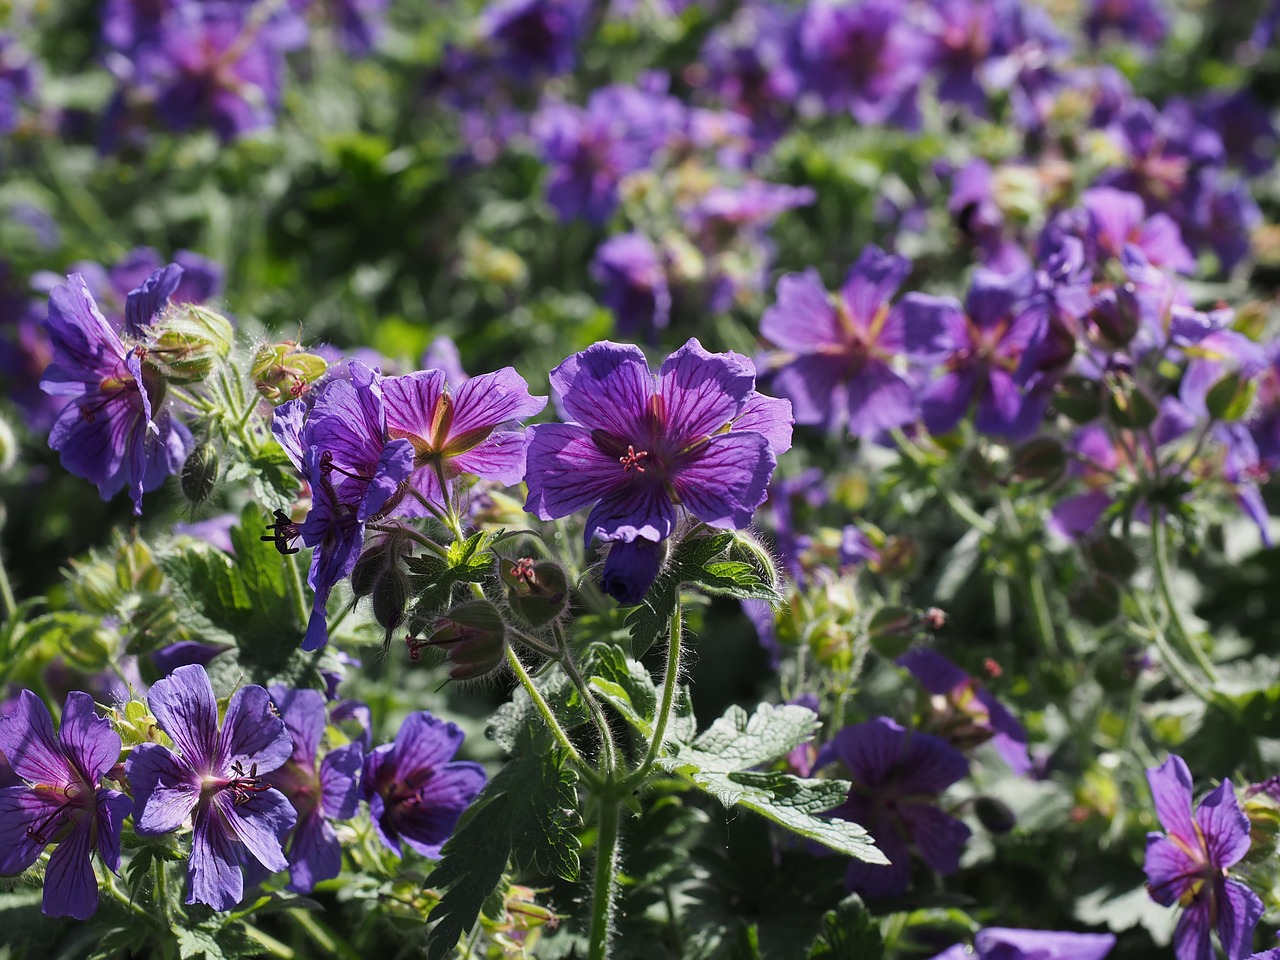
{"type": "Point", "coordinates": [415, 789]}
{"type": "Point", "coordinates": [1188, 864]}
{"type": "Point", "coordinates": [697, 436]}
{"type": "Point", "coordinates": [59, 799]}
{"type": "Point", "coordinates": [319, 791]}
{"type": "Point", "coordinates": [115, 431]}
{"type": "Point", "coordinates": [838, 360]}
{"type": "Point", "coordinates": [470, 429]}
{"type": "Point", "coordinates": [897, 776]}
{"type": "Point", "coordinates": [216, 778]}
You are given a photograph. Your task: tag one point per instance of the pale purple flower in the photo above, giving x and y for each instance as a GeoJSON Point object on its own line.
{"type": "Point", "coordinates": [535, 37]}
{"type": "Point", "coordinates": [59, 799]}
{"type": "Point", "coordinates": [697, 435]}
{"type": "Point", "coordinates": [1188, 864]}
{"type": "Point", "coordinates": [416, 791]}
{"type": "Point", "coordinates": [634, 279]}
{"type": "Point", "coordinates": [838, 364]}
{"type": "Point", "coordinates": [1118, 219]}
{"type": "Point", "coordinates": [963, 33]}
{"type": "Point", "coordinates": [752, 65]}
{"type": "Point", "coordinates": [320, 790]}
{"type": "Point", "coordinates": [1003, 943]}
{"type": "Point", "coordinates": [215, 777]}
{"type": "Point", "coordinates": [897, 776]}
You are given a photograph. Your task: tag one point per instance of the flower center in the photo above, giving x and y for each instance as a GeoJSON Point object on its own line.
{"type": "Point", "coordinates": [632, 459]}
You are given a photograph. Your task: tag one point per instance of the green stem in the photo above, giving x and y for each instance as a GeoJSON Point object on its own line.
{"type": "Point", "coordinates": [1180, 631]}
{"type": "Point", "coordinates": [324, 938]}
{"type": "Point", "coordinates": [269, 943]}
{"type": "Point", "coordinates": [606, 869]}
{"type": "Point", "coordinates": [109, 881]}
{"type": "Point", "coordinates": [296, 591]}
{"type": "Point", "coordinates": [1175, 663]}
{"type": "Point", "coordinates": [82, 203]}
{"type": "Point", "coordinates": [548, 717]}
{"type": "Point", "coordinates": [6, 593]}
{"type": "Point", "coordinates": [1032, 584]}
{"type": "Point", "coordinates": [610, 756]}
{"type": "Point", "coordinates": [669, 687]}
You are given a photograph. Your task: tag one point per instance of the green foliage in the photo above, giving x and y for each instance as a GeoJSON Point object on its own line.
{"type": "Point", "coordinates": [432, 579]}
{"type": "Point", "coordinates": [848, 933]}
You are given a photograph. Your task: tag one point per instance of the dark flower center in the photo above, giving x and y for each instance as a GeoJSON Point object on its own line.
{"type": "Point", "coordinates": [242, 785]}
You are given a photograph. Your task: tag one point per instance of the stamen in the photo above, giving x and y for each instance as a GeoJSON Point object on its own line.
{"type": "Point", "coordinates": [632, 459]}
{"type": "Point", "coordinates": [286, 531]}
{"type": "Point", "coordinates": [244, 785]}
{"type": "Point", "coordinates": [327, 464]}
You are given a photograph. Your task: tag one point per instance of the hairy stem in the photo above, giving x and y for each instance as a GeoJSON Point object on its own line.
{"type": "Point", "coordinates": [1163, 582]}
{"type": "Point", "coordinates": [606, 869]}
{"type": "Point", "coordinates": [609, 754]}
{"type": "Point", "coordinates": [548, 717]}
{"type": "Point", "coordinates": [669, 687]}
{"type": "Point", "coordinates": [7, 601]}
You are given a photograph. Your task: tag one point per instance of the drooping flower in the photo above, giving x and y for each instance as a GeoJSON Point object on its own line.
{"type": "Point", "coordinates": [697, 436]}
{"type": "Point", "coordinates": [1003, 943]}
{"type": "Point", "coordinates": [215, 777]}
{"type": "Point", "coordinates": [319, 791]}
{"type": "Point", "coordinates": [60, 800]}
{"type": "Point", "coordinates": [356, 474]}
{"type": "Point", "coordinates": [416, 791]}
{"type": "Point", "coordinates": [897, 776]}
{"type": "Point", "coordinates": [1188, 864]}
{"type": "Point", "coordinates": [964, 711]}
{"type": "Point", "coordinates": [116, 431]}
{"type": "Point", "coordinates": [839, 358]}
{"type": "Point", "coordinates": [470, 428]}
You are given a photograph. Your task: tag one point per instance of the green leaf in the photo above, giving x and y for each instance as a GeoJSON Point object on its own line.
{"type": "Point", "coordinates": [432, 578]}
{"type": "Point", "coordinates": [696, 561]}
{"type": "Point", "coordinates": [197, 943]}
{"type": "Point", "coordinates": [718, 762]}
{"type": "Point", "coordinates": [848, 933]}
{"type": "Point", "coordinates": [527, 814]}
{"type": "Point", "coordinates": [625, 683]}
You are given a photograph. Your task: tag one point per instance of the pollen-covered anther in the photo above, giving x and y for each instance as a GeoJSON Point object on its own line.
{"type": "Point", "coordinates": [632, 459]}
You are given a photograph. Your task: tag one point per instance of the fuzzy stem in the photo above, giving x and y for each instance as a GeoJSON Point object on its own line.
{"type": "Point", "coordinates": [606, 869]}
{"type": "Point", "coordinates": [548, 717]}
{"type": "Point", "coordinates": [296, 591]}
{"type": "Point", "coordinates": [1180, 632]}
{"type": "Point", "coordinates": [269, 943]}
{"type": "Point", "coordinates": [6, 593]}
{"type": "Point", "coordinates": [669, 686]}
{"type": "Point", "coordinates": [609, 751]}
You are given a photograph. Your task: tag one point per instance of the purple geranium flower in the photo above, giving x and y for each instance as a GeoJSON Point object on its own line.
{"type": "Point", "coordinates": [897, 776]}
{"type": "Point", "coordinates": [215, 777]}
{"type": "Point", "coordinates": [416, 791]}
{"type": "Point", "coordinates": [60, 800]}
{"type": "Point", "coordinates": [470, 429]}
{"type": "Point", "coordinates": [965, 712]}
{"type": "Point", "coordinates": [982, 349]}
{"type": "Point", "coordinates": [319, 792]}
{"type": "Point", "coordinates": [115, 431]}
{"type": "Point", "coordinates": [535, 36]}
{"type": "Point", "coordinates": [1188, 864]}
{"type": "Point", "coordinates": [1118, 219]}
{"type": "Point", "coordinates": [698, 435]}
{"type": "Point", "coordinates": [1002, 943]}
{"type": "Point", "coordinates": [635, 284]}
{"type": "Point", "coordinates": [356, 474]}
{"type": "Point", "coordinates": [839, 361]}
{"type": "Point", "coordinates": [1144, 21]}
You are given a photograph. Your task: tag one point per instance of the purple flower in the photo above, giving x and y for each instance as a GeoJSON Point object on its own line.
{"type": "Point", "coordinates": [963, 32]}
{"type": "Point", "coordinates": [471, 429]}
{"type": "Point", "coordinates": [59, 799]}
{"type": "Point", "coordinates": [982, 349]}
{"type": "Point", "coordinates": [215, 777]}
{"type": "Point", "coordinates": [635, 284]}
{"type": "Point", "coordinates": [356, 474]}
{"type": "Point", "coordinates": [865, 58]}
{"type": "Point", "coordinates": [897, 776]}
{"type": "Point", "coordinates": [1118, 219]}
{"type": "Point", "coordinates": [965, 712]}
{"type": "Point", "coordinates": [116, 431]}
{"type": "Point", "coordinates": [752, 64]}
{"type": "Point", "coordinates": [698, 435]}
{"type": "Point", "coordinates": [17, 82]}
{"type": "Point", "coordinates": [839, 357]}
{"type": "Point", "coordinates": [535, 36]}
{"type": "Point", "coordinates": [1144, 21]}
{"type": "Point", "coordinates": [416, 791]}
{"type": "Point", "coordinates": [1002, 943]}
{"type": "Point", "coordinates": [319, 792]}
{"type": "Point", "coordinates": [1188, 864]}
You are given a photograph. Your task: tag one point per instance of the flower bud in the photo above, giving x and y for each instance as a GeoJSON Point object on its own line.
{"type": "Point", "coordinates": [537, 592]}
{"type": "Point", "coordinates": [1229, 398]}
{"type": "Point", "coordinates": [200, 473]}
{"type": "Point", "coordinates": [472, 636]}
{"type": "Point", "coordinates": [1129, 406]}
{"type": "Point", "coordinates": [282, 372]}
{"type": "Point", "coordinates": [1077, 398]}
{"type": "Point", "coordinates": [994, 815]}
{"type": "Point", "coordinates": [1040, 459]}
{"type": "Point", "coordinates": [390, 599]}
{"type": "Point", "coordinates": [187, 341]}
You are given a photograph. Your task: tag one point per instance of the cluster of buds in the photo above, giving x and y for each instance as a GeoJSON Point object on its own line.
{"type": "Point", "coordinates": [283, 371]}
{"type": "Point", "coordinates": [186, 342]}
{"type": "Point", "coordinates": [380, 575]}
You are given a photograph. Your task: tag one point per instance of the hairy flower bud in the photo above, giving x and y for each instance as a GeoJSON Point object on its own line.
{"type": "Point", "coordinates": [282, 372]}
{"type": "Point", "coordinates": [472, 636]}
{"type": "Point", "coordinates": [200, 473]}
{"type": "Point", "coordinates": [187, 341]}
{"type": "Point", "coordinates": [537, 592]}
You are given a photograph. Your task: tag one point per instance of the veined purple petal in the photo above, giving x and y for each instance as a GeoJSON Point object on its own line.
{"type": "Point", "coordinates": [287, 422]}
{"type": "Point", "coordinates": [70, 888]}
{"type": "Point", "coordinates": [213, 871]}
{"type": "Point", "coordinates": [768, 417]}
{"type": "Point", "coordinates": [1171, 792]}
{"type": "Point", "coordinates": [567, 471]}
{"type": "Point", "coordinates": [803, 319]}
{"type": "Point", "coordinates": [702, 392]}
{"type": "Point", "coordinates": [1224, 826]}
{"type": "Point", "coordinates": [815, 385]}
{"type": "Point", "coordinates": [83, 341]}
{"type": "Point", "coordinates": [1191, 938]}
{"type": "Point", "coordinates": [27, 740]}
{"type": "Point", "coordinates": [929, 765]}
{"type": "Point", "coordinates": [260, 823]}
{"type": "Point", "coordinates": [641, 510]}
{"type": "Point", "coordinates": [722, 481]}
{"type": "Point", "coordinates": [500, 457]}
{"type": "Point", "coordinates": [492, 399]}
{"type": "Point", "coordinates": [938, 836]}
{"type": "Point", "coordinates": [412, 402]}
{"type": "Point", "coordinates": [426, 825]}
{"type": "Point", "coordinates": [22, 808]}
{"type": "Point", "coordinates": [606, 387]}
{"type": "Point", "coordinates": [340, 781]}
{"type": "Point", "coordinates": [872, 282]}
{"type": "Point", "coordinates": [165, 789]}
{"type": "Point", "coordinates": [314, 854]}
{"type": "Point", "coordinates": [630, 569]}
{"type": "Point", "coordinates": [395, 463]}
{"type": "Point", "coordinates": [879, 399]}
{"type": "Point", "coordinates": [184, 704]}
{"type": "Point", "coordinates": [252, 733]}
{"type": "Point", "coordinates": [992, 943]}
{"type": "Point", "coordinates": [934, 326]}
{"type": "Point", "coordinates": [303, 713]}
{"type": "Point", "coordinates": [113, 807]}
{"type": "Point", "coordinates": [1239, 910]}
{"type": "Point", "coordinates": [426, 742]}
{"type": "Point", "coordinates": [148, 299]}
{"type": "Point", "coordinates": [1171, 871]}
{"type": "Point", "coordinates": [86, 738]}
{"type": "Point", "coordinates": [881, 880]}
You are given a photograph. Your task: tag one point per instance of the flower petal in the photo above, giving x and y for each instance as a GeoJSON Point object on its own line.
{"type": "Point", "coordinates": [803, 319]}
{"type": "Point", "coordinates": [1171, 872]}
{"type": "Point", "coordinates": [70, 888]}
{"type": "Point", "coordinates": [939, 837]}
{"type": "Point", "coordinates": [260, 823]}
{"type": "Point", "coordinates": [1191, 937]}
{"type": "Point", "coordinates": [722, 481]}
{"type": "Point", "coordinates": [113, 807]}
{"type": "Point", "coordinates": [22, 808]}
{"type": "Point", "coordinates": [1043, 944]}
{"type": "Point", "coordinates": [1239, 910]}
{"type": "Point", "coordinates": [606, 387]}
{"type": "Point", "coordinates": [424, 742]}
{"type": "Point", "coordinates": [769, 417]}
{"type": "Point", "coordinates": [314, 854]}
{"type": "Point", "coordinates": [1171, 791]}
{"type": "Point", "coordinates": [165, 788]}
{"type": "Point", "coordinates": [1224, 826]}
{"type": "Point", "coordinates": [630, 569]}
{"type": "Point", "coordinates": [87, 738]}
{"type": "Point", "coordinates": [814, 383]}
{"type": "Point", "coordinates": [872, 282]}
{"type": "Point", "coordinates": [340, 781]}
{"type": "Point", "coordinates": [252, 733]}
{"type": "Point", "coordinates": [213, 871]}
{"type": "Point", "coordinates": [492, 399]}
{"type": "Point", "coordinates": [28, 743]}
{"type": "Point", "coordinates": [702, 392]}
{"type": "Point", "coordinates": [567, 471]}
{"type": "Point", "coordinates": [426, 824]}
{"type": "Point", "coordinates": [499, 457]}
{"type": "Point", "coordinates": [184, 704]}
{"type": "Point", "coordinates": [641, 510]}
{"type": "Point", "coordinates": [879, 400]}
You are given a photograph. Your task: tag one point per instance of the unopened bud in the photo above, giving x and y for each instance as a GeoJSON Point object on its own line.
{"type": "Point", "coordinates": [1077, 399]}
{"type": "Point", "coordinates": [891, 630]}
{"type": "Point", "coordinates": [472, 636]}
{"type": "Point", "coordinates": [200, 473]}
{"type": "Point", "coordinates": [390, 599]}
{"type": "Point", "coordinates": [537, 592]}
{"type": "Point", "coordinates": [282, 372]}
{"type": "Point", "coordinates": [1229, 398]}
{"type": "Point", "coordinates": [994, 815]}
{"type": "Point", "coordinates": [187, 341]}
{"type": "Point", "coordinates": [1129, 406]}
{"type": "Point", "coordinates": [1040, 459]}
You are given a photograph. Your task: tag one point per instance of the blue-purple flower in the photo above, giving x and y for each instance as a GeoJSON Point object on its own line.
{"type": "Point", "coordinates": [320, 790]}
{"type": "Point", "coordinates": [839, 357]}
{"type": "Point", "coordinates": [634, 279]}
{"type": "Point", "coordinates": [535, 37]}
{"type": "Point", "coordinates": [698, 436]}
{"type": "Point", "coordinates": [1188, 864]}
{"type": "Point", "coordinates": [116, 431]}
{"type": "Point", "coordinates": [897, 776]}
{"type": "Point", "coordinates": [60, 800]}
{"type": "Point", "coordinates": [416, 791]}
{"type": "Point", "coordinates": [215, 777]}
{"type": "Point", "coordinates": [1003, 943]}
